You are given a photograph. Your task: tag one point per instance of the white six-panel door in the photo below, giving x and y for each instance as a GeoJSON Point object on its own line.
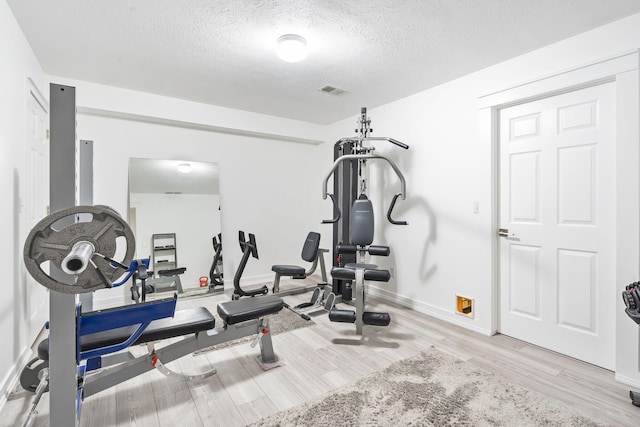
{"type": "Point", "coordinates": [557, 201]}
{"type": "Point", "coordinates": [36, 202]}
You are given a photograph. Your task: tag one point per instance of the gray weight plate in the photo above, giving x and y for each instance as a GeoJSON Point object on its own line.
{"type": "Point", "coordinates": [53, 237]}
{"type": "Point", "coordinates": [30, 375]}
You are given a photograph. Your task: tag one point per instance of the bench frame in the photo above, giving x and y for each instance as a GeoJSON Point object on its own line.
{"type": "Point", "coordinates": [109, 377]}
{"type": "Point", "coordinates": [113, 363]}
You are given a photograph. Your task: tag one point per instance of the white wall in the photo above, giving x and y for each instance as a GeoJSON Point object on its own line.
{"type": "Point", "coordinates": [267, 187]}
{"type": "Point", "coordinates": [16, 65]}
{"type": "Point", "coordinates": [446, 249]}
{"type": "Point", "coordinates": [168, 213]}
{"type": "Point", "coordinates": [270, 184]}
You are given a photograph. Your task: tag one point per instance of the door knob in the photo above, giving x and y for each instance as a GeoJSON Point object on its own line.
{"type": "Point", "coordinates": [504, 232]}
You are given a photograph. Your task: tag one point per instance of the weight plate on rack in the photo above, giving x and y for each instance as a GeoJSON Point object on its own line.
{"type": "Point", "coordinates": [54, 236]}
{"type": "Point", "coordinates": [31, 374]}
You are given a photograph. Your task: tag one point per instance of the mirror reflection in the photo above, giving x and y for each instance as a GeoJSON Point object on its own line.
{"type": "Point", "coordinates": [174, 211]}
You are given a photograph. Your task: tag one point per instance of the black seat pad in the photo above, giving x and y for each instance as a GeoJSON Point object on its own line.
{"type": "Point", "coordinates": [288, 270]}
{"type": "Point", "coordinates": [172, 271]}
{"type": "Point", "coordinates": [183, 322]}
{"type": "Point", "coordinates": [233, 312]}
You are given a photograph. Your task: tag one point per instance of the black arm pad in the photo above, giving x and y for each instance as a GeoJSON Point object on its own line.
{"type": "Point", "coordinates": [342, 248]}
{"type": "Point", "coordinates": [343, 273]}
{"type": "Point", "coordinates": [379, 250]}
{"type": "Point", "coordinates": [377, 275]}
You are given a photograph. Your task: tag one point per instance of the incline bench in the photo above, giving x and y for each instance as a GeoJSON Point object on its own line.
{"type": "Point", "coordinates": [196, 325]}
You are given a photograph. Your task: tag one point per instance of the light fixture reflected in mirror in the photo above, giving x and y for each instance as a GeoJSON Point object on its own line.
{"type": "Point", "coordinates": [291, 48]}
{"type": "Point", "coordinates": [184, 167]}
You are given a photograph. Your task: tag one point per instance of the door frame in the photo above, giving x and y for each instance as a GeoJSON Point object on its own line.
{"type": "Point", "coordinates": [31, 91]}
{"type": "Point", "coordinates": [624, 71]}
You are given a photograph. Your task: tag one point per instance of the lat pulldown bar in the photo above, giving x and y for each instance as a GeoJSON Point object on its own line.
{"type": "Point", "coordinates": [347, 157]}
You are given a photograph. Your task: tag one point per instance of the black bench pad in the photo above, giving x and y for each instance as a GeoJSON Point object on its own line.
{"type": "Point", "coordinates": [183, 322]}
{"type": "Point", "coordinates": [233, 312]}
{"type": "Point", "coordinates": [288, 270]}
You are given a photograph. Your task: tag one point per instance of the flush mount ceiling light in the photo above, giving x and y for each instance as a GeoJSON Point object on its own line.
{"type": "Point", "coordinates": [291, 48]}
{"type": "Point", "coordinates": [184, 167]}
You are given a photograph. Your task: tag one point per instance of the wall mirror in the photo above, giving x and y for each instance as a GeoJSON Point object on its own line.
{"type": "Point", "coordinates": [174, 211]}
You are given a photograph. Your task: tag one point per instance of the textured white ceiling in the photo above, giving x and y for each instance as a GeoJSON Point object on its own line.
{"type": "Point", "coordinates": [221, 51]}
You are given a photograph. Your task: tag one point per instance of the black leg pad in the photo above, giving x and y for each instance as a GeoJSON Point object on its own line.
{"type": "Point", "coordinates": [343, 316]}
{"type": "Point", "coordinates": [377, 275]}
{"type": "Point", "coordinates": [376, 319]}
{"type": "Point", "coordinates": [343, 273]}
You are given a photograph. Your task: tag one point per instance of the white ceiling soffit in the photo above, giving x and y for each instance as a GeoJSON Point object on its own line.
{"type": "Point", "coordinates": [222, 52]}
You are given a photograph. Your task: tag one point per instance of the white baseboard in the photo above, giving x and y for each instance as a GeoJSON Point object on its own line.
{"type": "Point", "coordinates": [249, 281]}
{"type": "Point", "coordinates": [10, 381]}
{"type": "Point", "coordinates": [425, 308]}
{"type": "Point", "coordinates": [633, 382]}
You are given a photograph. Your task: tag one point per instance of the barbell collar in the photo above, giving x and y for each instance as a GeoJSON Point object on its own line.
{"type": "Point", "coordinates": [78, 258]}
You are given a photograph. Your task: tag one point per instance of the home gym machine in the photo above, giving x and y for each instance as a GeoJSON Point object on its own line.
{"type": "Point", "coordinates": [93, 245]}
{"type": "Point", "coordinates": [311, 253]}
{"type": "Point", "coordinates": [148, 285]}
{"type": "Point", "coordinates": [216, 275]}
{"type": "Point", "coordinates": [353, 221]}
{"type": "Point", "coordinates": [249, 248]}
{"type": "Point", "coordinates": [631, 298]}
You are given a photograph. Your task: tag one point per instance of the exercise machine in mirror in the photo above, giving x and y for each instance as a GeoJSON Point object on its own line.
{"type": "Point", "coordinates": [174, 211]}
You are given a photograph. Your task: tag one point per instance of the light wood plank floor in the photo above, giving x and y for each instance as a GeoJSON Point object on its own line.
{"type": "Point", "coordinates": [327, 356]}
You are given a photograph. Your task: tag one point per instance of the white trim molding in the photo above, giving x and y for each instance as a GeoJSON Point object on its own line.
{"type": "Point", "coordinates": [624, 71]}
{"type": "Point", "coordinates": [565, 81]}
{"type": "Point", "coordinates": [449, 316]}
{"type": "Point", "coordinates": [193, 125]}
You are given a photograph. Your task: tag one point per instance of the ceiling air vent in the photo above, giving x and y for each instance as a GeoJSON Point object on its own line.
{"type": "Point", "coordinates": [331, 90]}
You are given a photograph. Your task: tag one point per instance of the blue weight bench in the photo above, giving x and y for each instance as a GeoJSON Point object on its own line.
{"type": "Point", "coordinates": [184, 322]}
{"type": "Point", "coordinates": [103, 334]}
